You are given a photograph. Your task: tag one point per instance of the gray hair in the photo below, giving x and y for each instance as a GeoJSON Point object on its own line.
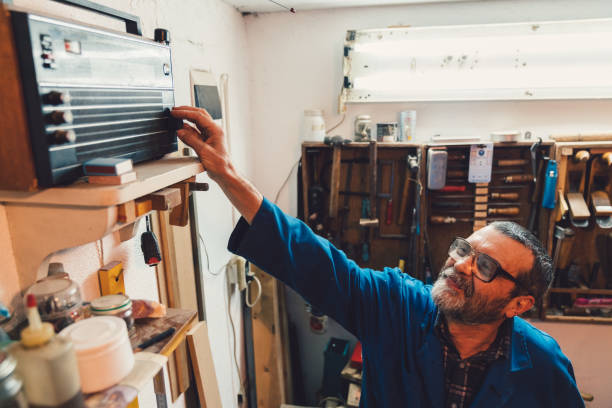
{"type": "Point", "coordinates": [538, 279]}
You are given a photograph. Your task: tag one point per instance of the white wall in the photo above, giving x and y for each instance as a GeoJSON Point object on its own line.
{"type": "Point", "coordinates": [209, 35]}
{"type": "Point", "coordinates": [296, 64]}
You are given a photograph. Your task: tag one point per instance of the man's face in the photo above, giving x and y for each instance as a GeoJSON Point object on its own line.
{"type": "Point", "coordinates": [466, 299]}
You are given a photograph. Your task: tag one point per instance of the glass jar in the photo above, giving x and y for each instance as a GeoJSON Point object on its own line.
{"type": "Point", "coordinates": [363, 128]}
{"type": "Point", "coordinates": [11, 386]}
{"type": "Point", "coordinates": [58, 299]}
{"type": "Point", "coordinates": [313, 126]}
{"type": "Point", "coordinates": [114, 305]}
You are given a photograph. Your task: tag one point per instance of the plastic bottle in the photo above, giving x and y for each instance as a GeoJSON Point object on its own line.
{"type": "Point", "coordinates": [47, 365]}
{"type": "Point", "coordinates": [313, 126]}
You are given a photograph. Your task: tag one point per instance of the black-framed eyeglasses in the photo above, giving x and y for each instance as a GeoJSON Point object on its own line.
{"type": "Point", "coordinates": [487, 268]}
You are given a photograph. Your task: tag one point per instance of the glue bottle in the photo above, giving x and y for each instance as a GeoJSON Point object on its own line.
{"type": "Point", "coordinates": [47, 364]}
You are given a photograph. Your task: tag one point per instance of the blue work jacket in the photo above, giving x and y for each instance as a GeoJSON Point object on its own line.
{"type": "Point", "coordinates": [393, 315]}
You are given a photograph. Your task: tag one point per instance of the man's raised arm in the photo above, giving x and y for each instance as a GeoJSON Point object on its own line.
{"type": "Point", "coordinates": [208, 141]}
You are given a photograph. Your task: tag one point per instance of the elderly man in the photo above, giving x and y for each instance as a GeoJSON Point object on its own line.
{"type": "Point", "coordinates": [459, 343]}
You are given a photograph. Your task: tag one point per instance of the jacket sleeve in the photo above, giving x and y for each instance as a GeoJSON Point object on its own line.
{"type": "Point", "coordinates": [361, 300]}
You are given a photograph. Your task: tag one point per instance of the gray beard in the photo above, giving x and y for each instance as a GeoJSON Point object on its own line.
{"type": "Point", "coordinates": [471, 308]}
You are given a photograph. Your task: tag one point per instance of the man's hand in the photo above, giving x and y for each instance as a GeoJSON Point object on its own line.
{"type": "Point", "coordinates": [206, 138]}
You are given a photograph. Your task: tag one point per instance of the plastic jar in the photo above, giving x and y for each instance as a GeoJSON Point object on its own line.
{"type": "Point", "coordinates": [313, 126]}
{"type": "Point", "coordinates": [114, 305]}
{"type": "Point", "coordinates": [103, 351]}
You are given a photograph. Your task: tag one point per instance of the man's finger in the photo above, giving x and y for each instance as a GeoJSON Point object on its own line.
{"type": "Point", "coordinates": [203, 122]}
{"type": "Point", "coordinates": [190, 137]}
{"type": "Point", "coordinates": [194, 109]}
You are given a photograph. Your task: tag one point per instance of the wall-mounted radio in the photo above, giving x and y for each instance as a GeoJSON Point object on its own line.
{"type": "Point", "coordinates": [86, 93]}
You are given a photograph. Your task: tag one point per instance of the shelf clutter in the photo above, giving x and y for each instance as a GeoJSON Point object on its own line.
{"type": "Point", "coordinates": [375, 202]}
{"type": "Point", "coordinates": [97, 210]}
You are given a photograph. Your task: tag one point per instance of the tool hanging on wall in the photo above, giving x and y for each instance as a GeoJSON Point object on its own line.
{"type": "Point", "coordinates": [480, 197]}
{"type": "Point", "coordinates": [315, 197]}
{"type": "Point", "coordinates": [597, 194]}
{"type": "Point", "coordinates": [579, 213]}
{"type": "Point", "coordinates": [536, 169]}
{"type": "Point", "coordinates": [412, 167]}
{"type": "Point", "coordinates": [441, 219]}
{"type": "Point", "coordinates": [149, 245]}
{"type": "Point", "coordinates": [389, 194]}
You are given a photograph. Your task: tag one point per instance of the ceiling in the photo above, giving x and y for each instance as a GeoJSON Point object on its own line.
{"type": "Point", "coordinates": [266, 6]}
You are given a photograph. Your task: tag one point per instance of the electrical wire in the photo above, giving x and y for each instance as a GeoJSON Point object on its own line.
{"type": "Point", "coordinates": [336, 125]}
{"type": "Point", "coordinates": [286, 180]}
{"type": "Point", "coordinates": [247, 294]}
{"type": "Point", "coordinates": [229, 313]}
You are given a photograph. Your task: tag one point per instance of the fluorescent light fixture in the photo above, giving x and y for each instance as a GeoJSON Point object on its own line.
{"type": "Point", "coordinates": [518, 61]}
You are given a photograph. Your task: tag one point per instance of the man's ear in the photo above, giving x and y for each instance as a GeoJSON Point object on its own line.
{"type": "Point", "coordinates": [519, 305]}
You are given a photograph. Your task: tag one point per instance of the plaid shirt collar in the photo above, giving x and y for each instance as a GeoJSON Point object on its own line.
{"type": "Point", "coordinates": [463, 378]}
{"type": "Point", "coordinates": [499, 348]}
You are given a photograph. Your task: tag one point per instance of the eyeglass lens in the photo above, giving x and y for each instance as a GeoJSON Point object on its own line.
{"type": "Point", "coordinates": [486, 267]}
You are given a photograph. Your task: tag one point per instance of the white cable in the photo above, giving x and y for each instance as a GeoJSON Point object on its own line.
{"type": "Point", "coordinates": [336, 125]}
{"type": "Point", "coordinates": [229, 313]}
{"type": "Point", "coordinates": [258, 292]}
{"type": "Point", "coordinates": [286, 180]}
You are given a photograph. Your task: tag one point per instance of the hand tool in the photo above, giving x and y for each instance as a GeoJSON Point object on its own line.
{"type": "Point", "coordinates": [490, 211]}
{"type": "Point", "coordinates": [450, 188]}
{"type": "Point", "coordinates": [441, 219]}
{"type": "Point", "coordinates": [455, 204]}
{"type": "Point", "coordinates": [536, 170]}
{"type": "Point", "coordinates": [511, 162]}
{"type": "Point", "coordinates": [597, 195]}
{"type": "Point", "coordinates": [415, 227]}
{"type": "Point", "coordinates": [365, 215]}
{"type": "Point", "coordinates": [315, 196]}
{"type": "Point", "coordinates": [578, 210]}
{"type": "Point", "coordinates": [344, 211]}
{"type": "Point", "coordinates": [492, 196]}
{"type": "Point", "coordinates": [563, 247]}
{"type": "Point", "coordinates": [412, 167]}
{"type": "Point", "coordinates": [550, 185]}
{"type": "Point", "coordinates": [155, 339]}
{"type": "Point", "coordinates": [518, 178]}
{"type": "Point", "coordinates": [602, 209]}
{"type": "Point", "coordinates": [336, 141]}
{"type": "Point", "coordinates": [389, 194]}
{"type": "Point", "coordinates": [607, 158]}
{"type": "Point", "coordinates": [334, 184]}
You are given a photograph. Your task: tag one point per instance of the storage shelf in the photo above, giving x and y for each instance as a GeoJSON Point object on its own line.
{"type": "Point", "coordinates": [151, 176]}
{"type": "Point", "coordinates": [148, 363]}
{"type": "Point", "coordinates": [582, 291]}
{"type": "Point", "coordinates": [44, 222]}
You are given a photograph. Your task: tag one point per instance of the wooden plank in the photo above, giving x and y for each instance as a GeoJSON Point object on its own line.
{"type": "Point", "coordinates": [268, 372]}
{"type": "Point", "coordinates": [203, 366]}
{"type": "Point", "coordinates": [335, 182]}
{"type": "Point", "coordinates": [178, 367]}
{"type": "Point", "coordinates": [577, 206]}
{"type": "Point", "coordinates": [305, 183]}
{"type": "Point", "coordinates": [165, 199]}
{"type": "Point", "coordinates": [16, 165]}
{"type": "Point", "coordinates": [179, 216]}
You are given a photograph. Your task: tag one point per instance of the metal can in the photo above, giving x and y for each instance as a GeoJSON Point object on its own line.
{"type": "Point", "coordinates": [114, 305]}
{"type": "Point", "coordinates": [58, 299]}
{"type": "Point", "coordinates": [386, 132]}
{"type": "Point", "coordinates": [363, 128]}
{"type": "Point", "coordinates": [11, 386]}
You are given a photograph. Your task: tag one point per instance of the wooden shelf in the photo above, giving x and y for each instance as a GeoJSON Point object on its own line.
{"type": "Point", "coordinates": [47, 221]}
{"type": "Point", "coordinates": [151, 176]}
{"type": "Point", "coordinates": [180, 319]}
{"type": "Point", "coordinates": [579, 319]}
{"type": "Point", "coordinates": [147, 363]}
{"type": "Point", "coordinates": [581, 291]}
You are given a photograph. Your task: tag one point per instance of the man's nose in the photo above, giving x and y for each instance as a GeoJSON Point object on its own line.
{"type": "Point", "coordinates": [465, 265]}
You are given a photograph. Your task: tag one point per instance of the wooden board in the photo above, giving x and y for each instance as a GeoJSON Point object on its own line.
{"type": "Point", "coordinates": [203, 366]}
{"type": "Point", "coordinates": [16, 164]}
{"type": "Point", "coordinates": [269, 373]}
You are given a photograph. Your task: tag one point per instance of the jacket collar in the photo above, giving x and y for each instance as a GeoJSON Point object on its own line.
{"type": "Point", "coordinates": [497, 385]}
